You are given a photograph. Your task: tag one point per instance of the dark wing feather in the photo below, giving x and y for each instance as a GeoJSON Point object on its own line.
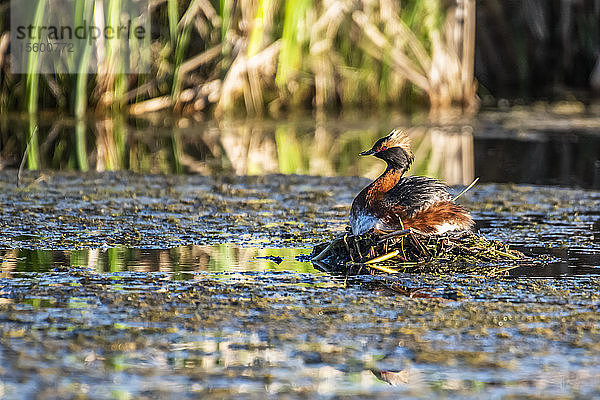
{"type": "Point", "coordinates": [415, 193]}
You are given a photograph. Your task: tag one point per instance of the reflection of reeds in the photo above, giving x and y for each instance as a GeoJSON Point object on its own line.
{"type": "Point", "coordinates": [444, 153]}
{"type": "Point", "coordinates": [289, 151]}
{"type": "Point", "coordinates": [249, 148]}
{"type": "Point", "coordinates": [80, 145]}
{"type": "Point", "coordinates": [111, 144]}
{"type": "Point", "coordinates": [9, 262]}
{"type": "Point", "coordinates": [190, 258]}
{"type": "Point", "coordinates": [32, 146]}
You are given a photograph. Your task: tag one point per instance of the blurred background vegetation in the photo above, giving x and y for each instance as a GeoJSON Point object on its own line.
{"type": "Point", "coordinates": [252, 57]}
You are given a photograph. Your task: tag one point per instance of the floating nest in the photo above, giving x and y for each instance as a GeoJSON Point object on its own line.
{"type": "Point", "coordinates": [411, 251]}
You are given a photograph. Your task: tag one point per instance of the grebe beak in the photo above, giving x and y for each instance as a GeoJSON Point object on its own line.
{"type": "Point", "coordinates": [367, 152]}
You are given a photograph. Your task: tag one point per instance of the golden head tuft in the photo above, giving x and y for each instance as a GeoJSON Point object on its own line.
{"type": "Point", "coordinates": [397, 138]}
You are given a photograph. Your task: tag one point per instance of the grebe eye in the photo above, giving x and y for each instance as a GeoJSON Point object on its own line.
{"type": "Point", "coordinates": [382, 148]}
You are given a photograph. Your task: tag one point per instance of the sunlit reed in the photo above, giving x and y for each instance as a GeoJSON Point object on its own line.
{"type": "Point", "coordinates": [271, 55]}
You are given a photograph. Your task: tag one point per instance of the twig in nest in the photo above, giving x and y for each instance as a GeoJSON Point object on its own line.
{"type": "Point", "coordinates": [372, 251]}
{"type": "Point", "coordinates": [323, 253]}
{"type": "Point", "coordinates": [347, 247]}
{"type": "Point", "coordinates": [402, 232]}
{"type": "Point", "coordinates": [505, 254]}
{"type": "Point", "coordinates": [360, 257]}
{"type": "Point", "coordinates": [417, 243]}
{"type": "Point", "coordinates": [383, 257]}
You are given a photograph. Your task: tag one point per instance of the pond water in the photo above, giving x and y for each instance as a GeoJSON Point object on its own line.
{"type": "Point", "coordinates": [176, 278]}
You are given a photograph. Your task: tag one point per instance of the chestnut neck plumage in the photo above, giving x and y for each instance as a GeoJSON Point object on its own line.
{"type": "Point", "coordinates": [398, 162]}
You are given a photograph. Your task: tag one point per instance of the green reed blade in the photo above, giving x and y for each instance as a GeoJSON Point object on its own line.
{"type": "Point", "coordinates": [182, 44]}
{"type": "Point", "coordinates": [80, 145]}
{"type": "Point", "coordinates": [173, 15]}
{"type": "Point", "coordinates": [257, 38]}
{"type": "Point", "coordinates": [116, 56]}
{"type": "Point", "coordinates": [81, 97]}
{"type": "Point", "coordinates": [290, 56]}
{"type": "Point", "coordinates": [33, 64]}
{"type": "Point", "coordinates": [225, 9]}
{"type": "Point", "coordinates": [33, 156]}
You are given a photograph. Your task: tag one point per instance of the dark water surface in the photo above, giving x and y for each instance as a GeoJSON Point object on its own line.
{"type": "Point", "coordinates": [544, 144]}
{"type": "Point", "coordinates": [142, 285]}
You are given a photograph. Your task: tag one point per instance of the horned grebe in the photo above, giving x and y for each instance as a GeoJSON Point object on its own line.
{"type": "Point", "coordinates": [392, 202]}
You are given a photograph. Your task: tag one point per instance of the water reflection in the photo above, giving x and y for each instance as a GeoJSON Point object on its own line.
{"type": "Point", "coordinates": [217, 258]}
{"type": "Point", "coordinates": [230, 258]}
{"type": "Point", "coordinates": [495, 148]}
{"type": "Point", "coordinates": [306, 146]}
{"type": "Point", "coordinates": [567, 159]}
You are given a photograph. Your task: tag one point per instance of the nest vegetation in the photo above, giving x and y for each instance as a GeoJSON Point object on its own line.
{"type": "Point", "coordinates": [409, 250]}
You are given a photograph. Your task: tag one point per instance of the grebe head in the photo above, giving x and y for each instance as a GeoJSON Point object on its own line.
{"type": "Point", "coordinates": [394, 149]}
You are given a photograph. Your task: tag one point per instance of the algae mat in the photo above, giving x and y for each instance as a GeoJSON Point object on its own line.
{"type": "Point", "coordinates": [62, 210]}
{"type": "Point", "coordinates": [78, 332]}
{"type": "Point", "coordinates": [87, 210]}
{"type": "Point", "coordinates": [255, 335]}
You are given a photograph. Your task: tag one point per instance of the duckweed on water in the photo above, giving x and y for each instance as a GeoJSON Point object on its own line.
{"type": "Point", "coordinates": [241, 334]}
{"type": "Point", "coordinates": [150, 330]}
{"type": "Point", "coordinates": [67, 210]}
{"type": "Point", "coordinates": [61, 210]}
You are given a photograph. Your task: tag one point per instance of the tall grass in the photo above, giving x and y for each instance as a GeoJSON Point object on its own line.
{"type": "Point", "coordinates": [83, 11]}
{"type": "Point", "coordinates": [292, 44]}
{"type": "Point", "coordinates": [261, 26]}
{"type": "Point", "coordinates": [182, 42]}
{"type": "Point", "coordinates": [225, 12]}
{"type": "Point", "coordinates": [173, 15]}
{"type": "Point", "coordinates": [338, 53]}
{"type": "Point", "coordinates": [32, 90]}
{"type": "Point", "coordinates": [252, 56]}
{"type": "Point", "coordinates": [33, 64]}
{"type": "Point", "coordinates": [115, 58]}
